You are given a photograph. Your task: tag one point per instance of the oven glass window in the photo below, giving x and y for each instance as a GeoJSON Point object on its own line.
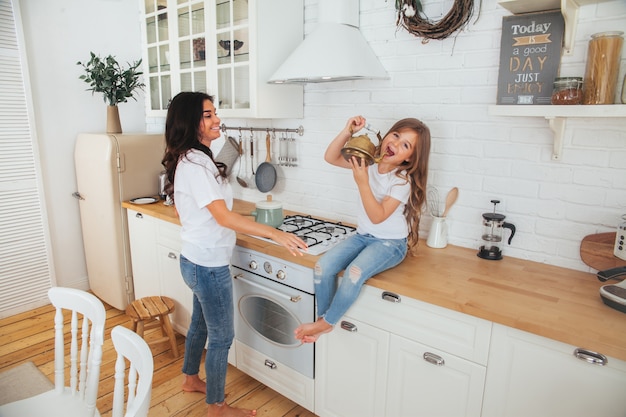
{"type": "Point", "coordinates": [269, 319]}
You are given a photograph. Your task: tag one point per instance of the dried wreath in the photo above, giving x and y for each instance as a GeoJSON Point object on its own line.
{"type": "Point", "coordinates": [410, 14]}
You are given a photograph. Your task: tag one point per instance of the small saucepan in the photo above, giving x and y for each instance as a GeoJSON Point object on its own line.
{"type": "Point", "coordinates": [265, 177]}
{"type": "Point", "coordinates": [269, 212]}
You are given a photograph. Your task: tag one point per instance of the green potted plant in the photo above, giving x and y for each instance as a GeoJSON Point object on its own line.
{"type": "Point", "coordinates": [107, 76]}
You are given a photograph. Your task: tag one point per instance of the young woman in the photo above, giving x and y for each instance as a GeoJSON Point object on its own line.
{"type": "Point", "coordinates": [204, 199]}
{"type": "Point", "coordinates": [391, 194]}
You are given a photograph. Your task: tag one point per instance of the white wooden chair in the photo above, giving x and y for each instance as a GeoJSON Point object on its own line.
{"type": "Point", "coordinates": [85, 356]}
{"type": "Point", "coordinates": [129, 345]}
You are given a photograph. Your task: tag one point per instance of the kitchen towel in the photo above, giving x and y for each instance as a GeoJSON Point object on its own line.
{"type": "Point", "coordinates": [228, 154]}
{"type": "Point", "coordinates": [23, 381]}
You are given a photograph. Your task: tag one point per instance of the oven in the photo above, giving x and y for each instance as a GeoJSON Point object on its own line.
{"type": "Point", "coordinates": [272, 298]}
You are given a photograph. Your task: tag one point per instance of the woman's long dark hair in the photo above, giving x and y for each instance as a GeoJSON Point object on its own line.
{"type": "Point", "coordinates": [182, 123]}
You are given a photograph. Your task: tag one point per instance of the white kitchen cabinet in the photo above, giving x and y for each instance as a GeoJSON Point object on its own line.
{"type": "Point", "coordinates": [274, 374]}
{"type": "Point", "coordinates": [142, 231]}
{"type": "Point", "coordinates": [424, 381]}
{"type": "Point", "coordinates": [155, 257]}
{"type": "Point", "coordinates": [351, 371]}
{"type": "Point", "coordinates": [226, 48]}
{"type": "Point", "coordinates": [155, 252]}
{"type": "Point", "coordinates": [170, 278]}
{"type": "Point", "coordinates": [529, 375]}
{"type": "Point", "coordinates": [393, 356]}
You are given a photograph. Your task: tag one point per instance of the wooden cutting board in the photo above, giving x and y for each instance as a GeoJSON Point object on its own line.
{"type": "Point", "coordinates": [597, 251]}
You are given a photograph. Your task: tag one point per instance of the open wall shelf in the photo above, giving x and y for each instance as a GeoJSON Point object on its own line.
{"type": "Point", "coordinates": [557, 116]}
{"type": "Point", "coordinates": [569, 10]}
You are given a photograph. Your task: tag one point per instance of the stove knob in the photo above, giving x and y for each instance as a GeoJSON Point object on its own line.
{"type": "Point", "coordinates": [281, 274]}
{"type": "Point", "coordinates": [253, 265]}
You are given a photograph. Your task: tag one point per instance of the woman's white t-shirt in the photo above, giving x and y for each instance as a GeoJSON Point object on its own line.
{"type": "Point", "coordinates": [196, 184]}
{"type": "Point", "coordinates": [382, 185]}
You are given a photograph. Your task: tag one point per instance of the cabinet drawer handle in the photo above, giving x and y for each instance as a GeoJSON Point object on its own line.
{"type": "Point", "coordinates": [391, 297]}
{"type": "Point", "coordinates": [172, 255]}
{"type": "Point", "coordinates": [351, 327]}
{"type": "Point", "coordinates": [270, 364]}
{"type": "Point", "coordinates": [591, 356]}
{"type": "Point", "coordinates": [139, 216]}
{"type": "Point", "coordinates": [434, 359]}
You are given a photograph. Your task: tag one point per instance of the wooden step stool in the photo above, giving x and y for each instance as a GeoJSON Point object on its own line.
{"type": "Point", "coordinates": [150, 312]}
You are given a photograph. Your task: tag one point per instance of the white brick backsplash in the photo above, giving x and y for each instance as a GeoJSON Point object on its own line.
{"type": "Point", "coordinates": [449, 84]}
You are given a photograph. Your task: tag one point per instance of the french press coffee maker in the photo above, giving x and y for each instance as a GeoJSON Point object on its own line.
{"type": "Point", "coordinates": [493, 225]}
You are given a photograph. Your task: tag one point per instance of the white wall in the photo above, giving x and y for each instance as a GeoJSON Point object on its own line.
{"type": "Point", "coordinates": [58, 34]}
{"type": "Point", "coordinates": [448, 84]}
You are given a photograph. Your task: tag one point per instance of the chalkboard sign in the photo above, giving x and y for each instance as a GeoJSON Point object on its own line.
{"type": "Point", "coordinates": [530, 54]}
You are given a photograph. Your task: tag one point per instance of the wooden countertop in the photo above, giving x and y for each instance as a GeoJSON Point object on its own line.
{"type": "Point", "coordinates": [558, 303]}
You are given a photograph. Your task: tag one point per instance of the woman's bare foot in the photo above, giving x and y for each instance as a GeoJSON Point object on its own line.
{"type": "Point", "coordinates": [193, 383]}
{"type": "Point", "coordinates": [225, 410]}
{"type": "Point", "coordinates": [310, 332]}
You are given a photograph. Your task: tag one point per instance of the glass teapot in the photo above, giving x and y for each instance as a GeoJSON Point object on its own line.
{"type": "Point", "coordinates": [493, 230]}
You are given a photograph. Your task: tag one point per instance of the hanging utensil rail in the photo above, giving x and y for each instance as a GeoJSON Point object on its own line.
{"type": "Point", "coordinates": [299, 130]}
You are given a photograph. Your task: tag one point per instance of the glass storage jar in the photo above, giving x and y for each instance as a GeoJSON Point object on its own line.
{"type": "Point", "coordinates": [567, 90]}
{"type": "Point", "coordinates": [602, 69]}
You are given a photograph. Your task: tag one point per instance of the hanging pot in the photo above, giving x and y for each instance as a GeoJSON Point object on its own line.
{"type": "Point", "coordinates": [265, 178]}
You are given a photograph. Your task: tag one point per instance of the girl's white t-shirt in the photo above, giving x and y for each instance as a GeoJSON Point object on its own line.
{"type": "Point", "coordinates": [196, 184]}
{"type": "Point", "coordinates": [395, 226]}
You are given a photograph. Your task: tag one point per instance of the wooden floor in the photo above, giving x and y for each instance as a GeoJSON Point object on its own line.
{"type": "Point", "coordinates": [30, 337]}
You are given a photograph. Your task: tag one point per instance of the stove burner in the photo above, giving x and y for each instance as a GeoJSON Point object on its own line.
{"type": "Point", "coordinates": [315, 231]}
{"type": "Point", "coordinates": [319, 235]}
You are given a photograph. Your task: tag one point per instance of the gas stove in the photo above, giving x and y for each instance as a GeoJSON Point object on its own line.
{"type": "Point", "coordinates": [319, 235]}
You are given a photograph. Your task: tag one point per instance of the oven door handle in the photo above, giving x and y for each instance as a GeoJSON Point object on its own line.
{"type": "Point", "coordinates": [292, 298]}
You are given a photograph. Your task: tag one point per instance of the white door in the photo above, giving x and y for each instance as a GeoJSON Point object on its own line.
{"type": "Point", "coordinates": [143, 236]}
{"type": "Point", "coordinates": [426, 382]}
{"type": "Point", "coordinates": [351, 371]}
{"type": "Point", "coordinates": [173, 286]}
{"type": "Point", "coordinates": [529, 375]}
{"type": "Point", "coordinates": [26, 269]}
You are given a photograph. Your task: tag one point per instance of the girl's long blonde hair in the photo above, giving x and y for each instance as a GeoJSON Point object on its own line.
{"type": "Point", "coordinates": [416, 173]}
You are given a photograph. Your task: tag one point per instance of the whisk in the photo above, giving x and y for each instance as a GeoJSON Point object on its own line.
{"type": "Point", "coordinates": [433, 201]}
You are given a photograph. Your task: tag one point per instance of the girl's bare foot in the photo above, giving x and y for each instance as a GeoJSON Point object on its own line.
{"type": "Point", "coordinates": [225, 410]}
{"type": "Point", "coordinates": [193, 383]}
{"type": "Point", "coordinates": [310, 332]}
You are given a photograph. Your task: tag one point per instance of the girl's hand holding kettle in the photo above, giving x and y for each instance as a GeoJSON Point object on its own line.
{"type": "Point", "coordinates": [355, 124]}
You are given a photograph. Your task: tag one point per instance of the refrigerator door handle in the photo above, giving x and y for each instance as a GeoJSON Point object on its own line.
{"type": "Point", "coordinates": [77, 195]}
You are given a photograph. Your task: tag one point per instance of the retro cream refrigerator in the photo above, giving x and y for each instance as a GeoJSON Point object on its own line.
{"type": "Point", "coordinates": [111, 168]}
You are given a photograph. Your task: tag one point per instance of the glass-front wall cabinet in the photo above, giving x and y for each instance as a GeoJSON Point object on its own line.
{"type": "Point", "coordinates": [191, 46]}
{"type": "Point", "coordinates": [233, 53]}
{"type": "Point", "coordinates": [158, 51]}
{"type": "Point", "coordinates": [215, 46]}
{"type": "Point", "coordinates": [175, 44]}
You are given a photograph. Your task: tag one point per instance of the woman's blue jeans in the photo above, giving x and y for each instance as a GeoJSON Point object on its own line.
{"type": "Point", "coordinates": [212, 316]}
{"type": "Point", "coordinates": [362, 257]}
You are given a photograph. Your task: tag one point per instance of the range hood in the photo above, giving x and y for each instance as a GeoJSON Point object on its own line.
{"type": "Point", "coordinates": [335, 50]}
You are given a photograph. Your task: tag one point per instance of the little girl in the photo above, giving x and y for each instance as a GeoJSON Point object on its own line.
{"type": "Point", "coordinates": [391, 194]}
